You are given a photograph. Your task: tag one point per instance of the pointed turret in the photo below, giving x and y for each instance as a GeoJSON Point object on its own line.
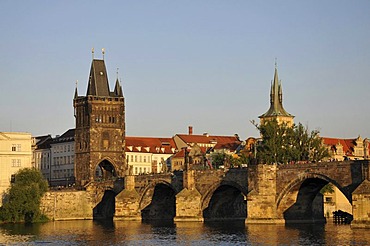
{"type": "Point", "coordinates": [76, 92]}
{"type": "Point", "coordinates": [276, 110]}
{"type": "Point", "coordinates": [118, 89]}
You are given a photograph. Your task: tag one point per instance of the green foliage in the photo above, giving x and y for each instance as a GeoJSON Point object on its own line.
{"type": "Point", "coordinates": [22, 202]}
{"type": "Point", "coordinates": [226, 160]}
{"type": "Point", "coordinates": [329, 188]}
{"type": "Point", "coordinates": [283, 144]}
{"type": "Point", "coordinates": [218, 159]}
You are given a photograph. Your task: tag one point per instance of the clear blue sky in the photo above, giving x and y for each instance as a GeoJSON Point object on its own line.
{"type": "Point", "coordinates": [202, 63]}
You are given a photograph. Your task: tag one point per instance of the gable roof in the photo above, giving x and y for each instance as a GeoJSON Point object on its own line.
{"type": "Point", "coordinates": [219, 142]}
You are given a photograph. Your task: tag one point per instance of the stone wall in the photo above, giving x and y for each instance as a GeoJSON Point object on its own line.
{"type": "Point", "coordinates": [67, 205]}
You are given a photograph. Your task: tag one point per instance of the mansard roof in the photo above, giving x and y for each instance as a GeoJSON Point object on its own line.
{"type": "Point", "coordinates": [276, 100]}
{"type": "Point", "coordinates": [153, 145]}
{"type": "Point", "coordinates": [68, 136]}
{"type": "Point", "coordinates": [43, 142]}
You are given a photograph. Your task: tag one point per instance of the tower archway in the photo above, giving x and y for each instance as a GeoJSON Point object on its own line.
{"type": "Point", "coordinates": [105, 170]}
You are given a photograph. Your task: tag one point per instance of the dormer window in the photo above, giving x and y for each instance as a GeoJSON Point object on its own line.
{"type": "Point", "coordinates": [101, 73]}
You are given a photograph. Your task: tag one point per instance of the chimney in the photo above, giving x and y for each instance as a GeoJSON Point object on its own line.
{"type": "Point", "coordinates": [190, 130]}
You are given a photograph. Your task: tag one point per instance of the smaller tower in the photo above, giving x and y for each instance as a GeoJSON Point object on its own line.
{"type": "Point", "coordinates": [276, 110]}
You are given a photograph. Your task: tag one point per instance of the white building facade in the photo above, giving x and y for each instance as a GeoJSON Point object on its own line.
{"type": "Point", "coordinates": [149, 154]}
{"type": "Point", "coordinates": [41, 159]}
{"type": "Point", "coordinates": [62, 160]}
{"type": "Point", "coordinates": [15, 154]}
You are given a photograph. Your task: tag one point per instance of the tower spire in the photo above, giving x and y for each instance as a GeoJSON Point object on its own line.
{"type": "Point", "coordinates": [276, 110]}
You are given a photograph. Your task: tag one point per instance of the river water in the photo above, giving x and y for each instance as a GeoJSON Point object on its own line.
{"type": "Point", "coordinates": [185, 233]}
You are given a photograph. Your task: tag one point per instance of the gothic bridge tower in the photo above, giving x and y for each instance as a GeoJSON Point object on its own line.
{"type": "Point", "coordinates": [100, 129]}
{"type": "Point", "coordinates": [276, 110]}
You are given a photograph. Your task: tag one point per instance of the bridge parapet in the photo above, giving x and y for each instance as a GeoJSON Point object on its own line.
{"type": "Point", "coordinates": [173, 179]}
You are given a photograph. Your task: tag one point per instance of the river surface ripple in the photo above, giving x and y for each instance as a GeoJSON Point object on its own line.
{"type": "Point", "coordinates": [180, 233]}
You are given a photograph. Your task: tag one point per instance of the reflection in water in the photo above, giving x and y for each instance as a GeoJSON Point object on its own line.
{"type": "Point", "coordinates": [88, 232]}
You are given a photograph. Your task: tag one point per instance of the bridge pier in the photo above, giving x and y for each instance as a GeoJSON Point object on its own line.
{"type": "Point", "coordinates": [361, 206]}
{"type": "Point", "coordinates": [127, 202]}
{"type": "Point", "coordinates": [261, 201]}
{"type": "Point", "coordinates": [188, 201]}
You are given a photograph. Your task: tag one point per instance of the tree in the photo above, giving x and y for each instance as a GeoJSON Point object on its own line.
{"type": "Point", "coordinates": [218, 159]}
{"type": "Point", "coordinates": [329, 189]}
{"type": "Point", "coordinates": [283, 144]}
{"type": "Point", "coordinates": [22, 202]}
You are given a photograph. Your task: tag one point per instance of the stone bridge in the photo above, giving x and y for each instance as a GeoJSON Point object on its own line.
{"type": "Point", "coordinates": [257, 194]}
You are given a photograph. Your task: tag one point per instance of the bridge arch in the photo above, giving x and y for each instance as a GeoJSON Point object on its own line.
{"type": "Point", "coordinates": [208, 195]}
{"type": "Point", "coordinates": [301, 178]}
{"type": "Point", "coordinates": [301, 200]}
{"type": "Point", "coordinates": [158, 201]}
{"type": "Point", "coordinates": [224, 200]}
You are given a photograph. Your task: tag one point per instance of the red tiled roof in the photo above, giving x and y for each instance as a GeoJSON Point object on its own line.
{"type": "Point", "coordinates": [150, 145]}
{"type": "Point", "coordinates": [180, 154]}
{"type": "Point", "coordinates": [221, 142]}
{"type": "Point", "coordinates": [347, 144]}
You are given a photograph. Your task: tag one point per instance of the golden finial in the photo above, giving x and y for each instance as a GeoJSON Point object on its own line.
{"type": "Point", "coordinates": [103, 52]}
{"type": "Point", "coordinates": [92, 52]}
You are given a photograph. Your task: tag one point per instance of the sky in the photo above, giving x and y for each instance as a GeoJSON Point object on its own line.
{"type": "Point", "coordinates": [208, 64]}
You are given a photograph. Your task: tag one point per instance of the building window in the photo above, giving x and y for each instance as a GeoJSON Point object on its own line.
{"type": "Point", "coordinates": [135, 170]}
{"type": "Point", "coordinates": [14, 147]}
{"type": "Point", "coordinates": [328, 199]}
{"type": "Point", "coordinates": [16, 163]}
